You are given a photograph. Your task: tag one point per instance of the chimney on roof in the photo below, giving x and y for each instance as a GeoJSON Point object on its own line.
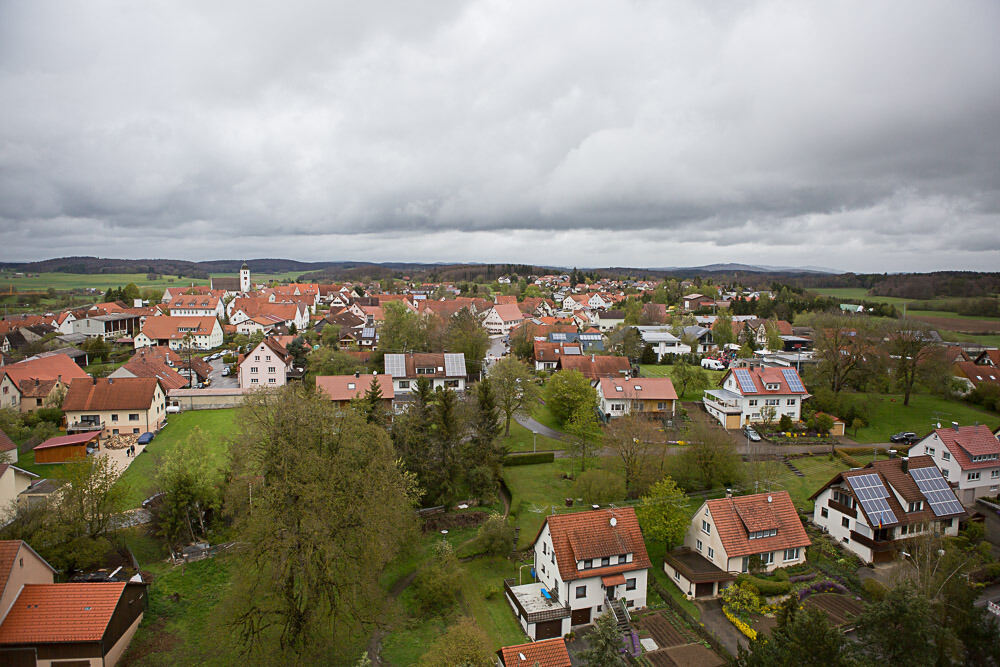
{"type": "Point", "coordinates": [892, 453]}
{"type": "Point", "coordinates": [357, 374]}
{"type": "Point", "coordinates": [905, 464]}
{"type": "Point", "coordinates": [95, 380]}
{"type": "Point", "coordinates": [729, 493]}
{"type": "Point", "coordinates": [954, 425]}
{"type": "Point", "coordinates": [770, 499]}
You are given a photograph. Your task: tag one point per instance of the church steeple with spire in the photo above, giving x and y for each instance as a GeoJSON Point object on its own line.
{"type": "Point", "coordinates": [245, 277]}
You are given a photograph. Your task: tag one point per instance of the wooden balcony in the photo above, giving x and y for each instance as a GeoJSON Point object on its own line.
{"type": "Point", "coordinates": [877, 546]}
{"type": "Point", "coordinates": [843, 509]}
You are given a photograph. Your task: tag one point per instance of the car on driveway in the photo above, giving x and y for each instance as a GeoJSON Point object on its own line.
{"type": "Point", "coordinates": [909, 437]}
{"type": "Point", "coordinates": [753, 435]}
{"type": "Point", "coordinates": [145, 438]}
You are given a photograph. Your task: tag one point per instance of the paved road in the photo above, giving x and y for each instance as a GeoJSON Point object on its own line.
{"type": "Point", "coordinates": [540, 428]}
{"type": "Point", "coordinates": [218, 380]}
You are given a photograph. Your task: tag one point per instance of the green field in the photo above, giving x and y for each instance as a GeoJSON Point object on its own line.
{"type": "Point", "coordinates": [655, 371]}
{"type": "Point", "coordinates": [103, 281]}
{"type": "Point", "coordinates": [989, 340]}
{"type": "Point", "coordinates": [848, 294]}
{"type": "Point", "coordinates": [218, 425]}
{"type": "Point", "coordinates": [950, 315]}
{"type": "Point", "coordinates": [889, 416]}
{"type": "Point", "coordinates": [522, 440]}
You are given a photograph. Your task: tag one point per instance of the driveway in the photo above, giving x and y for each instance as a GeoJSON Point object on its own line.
{"type": "Point", "coordinates": [540, 428]}
{"type": "Point", "coordinates": [715, 622]}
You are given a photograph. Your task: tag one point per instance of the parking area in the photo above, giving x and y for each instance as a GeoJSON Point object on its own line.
{"type": "Point", "coordinates": [219, 381]}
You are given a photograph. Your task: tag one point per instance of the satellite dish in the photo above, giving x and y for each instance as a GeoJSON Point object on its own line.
{"type": "Point", "coordinates": [614, 522]}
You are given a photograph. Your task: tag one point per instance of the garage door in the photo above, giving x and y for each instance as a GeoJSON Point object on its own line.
{"type": "Point", "coordinates": [703, 589]}
{"type": "Point", "coordinates": [548, 629]}
{"type": "Point", "coordinates": [580, 616]}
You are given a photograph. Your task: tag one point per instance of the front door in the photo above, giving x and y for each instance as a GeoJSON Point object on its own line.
{"type": "Point", "coordinates": [611, 592]}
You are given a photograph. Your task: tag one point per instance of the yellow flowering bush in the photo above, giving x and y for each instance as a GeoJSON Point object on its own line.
{"type": "Point", "coordinates": [740, 625]}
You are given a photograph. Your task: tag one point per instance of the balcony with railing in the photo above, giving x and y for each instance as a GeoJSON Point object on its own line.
{"type": "Point", "coordinates": [723, 401]}
{"type": "Point", "coordinates": [84, 425]}
{"type": "Point", "coordinates": [531, 602]}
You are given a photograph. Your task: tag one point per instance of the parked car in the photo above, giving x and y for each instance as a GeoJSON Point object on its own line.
{"type": "Point", "coordinates": [225, 371]}
{"type": "Point", "coordinates": [753, 435]}
{"type": "Point", "coordinates": [909, 437]}
{"type": "Point", "coordinates": [145, 438]}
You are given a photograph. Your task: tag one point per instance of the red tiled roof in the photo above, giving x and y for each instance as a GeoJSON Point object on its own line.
{"type": "Point", "coordinates": [193, 301]}
{"type": "Point", "coordinates": [110, 394]}
{"type": "Point", "coordinates": [651, 389]}
{"type": "Point", "coordinates": [970, 441]}
{"type": "Point", "coordinates": [977, 373]}
{"type": "Point", "coordinates": [8, 552]}
{"type": "Point", "coordinates": [585, 535]}
{"type": "Point", "coordinates": [167, 327]}
{"type": "Point", "coordinates": [75, 439]}
{"type": "Point", "coordinates": [45, 368]}
{"type": "Point", "coordinates": [764, 376]}
{"type": "Point", "coordinates": [57, 613]}
{"type": "Point", "coordinates": [508, 312]}
{"type": "Point", "coordinates": [6, 444]}
{"type": "Point", "coordinates": [545, 653]}
{"type": "Point", "coordinates": [506, 298]}
{"type": "Point", "coordinates": [151, 366]}
{"type": "Point", "coordinates": [546, 351]}
{"type": "Point", "coordinates": [36, 388]}
{"type": "Point", "coordinates": [346, 387]}
{"type": "Point", "coordinates": [597, 366]}
{"type": "Point", "coordinates": [736, 517]}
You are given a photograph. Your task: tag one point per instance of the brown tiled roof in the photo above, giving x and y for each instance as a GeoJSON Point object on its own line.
{"type": "Point", "coordinates": [651, 389]}
{"type": "Point", "coordinates": [6, 444]}
{"type": "Point", "coordinates": [166, 327]}
{"type": "Point", "coordinates": [36, 388]}
{"type": "Point", "coordinates": [977, 373]}
{"type": "Point", "coordinates": [729, 514]}
{"type": "Point", "coordinates": [45, 368]}
{"type": "Point", "coordinates": [585, 535]}
{"type": "Point", "coordinates": [506, 298]}
{"type": "Point", "coordinates": [346, 387]}
{"type": "Point", "coordinates": [970, 441]}
{"type": "Point", "coordinates": [192, 301]}
{"type": "Point", "coordinates": [987, 357]}
{"type": "Point", "coordinates": [546, 351]}
{"type": "Point", "coordinates": [150, 366]}
{"type": "Point", "coordinates": [595, 366]}
{"type": "Point", "coordinates": [59, 613]}
{"type": "Point", "coordinates": [443, 309]}
{"type": "Point", "coordinates": [111, 394]}
{"type": "Point", "coordinates": [545, 653]}
{"type": "Point", "coordinates": [508, 312]}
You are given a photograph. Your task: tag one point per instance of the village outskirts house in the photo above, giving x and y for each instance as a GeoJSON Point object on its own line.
{"type": "Point", "coordinates": [501, 318]}
{"type": "Point", "coordinates": [115, 406]}
{"type": "Point", "coordinates": [442, 370]}
{"type": "Point", "coordinates": [197, 305]}
{"type": "Point", "coordinates": [342, 389]}
{"type": "Point", "coordinates": [875, 511]}
{"type": "Point", "coordinates": [38, 382]}
{"type": "Point", "coordinates": [654, 397]}
{"type": "Point", "coordinates": [968, 457]}
{"type": "Point", "coordinates": [752, 395]}
{"type": "Point", "coordinates": [586, 564]}
{"type": "Point", "coordinates": [727, 532]}
{"type": "Point", "coordinates": [205, 333]}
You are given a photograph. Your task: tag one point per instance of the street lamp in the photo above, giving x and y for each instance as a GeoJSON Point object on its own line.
{"type": "Point", "coordinates": [534, 442]}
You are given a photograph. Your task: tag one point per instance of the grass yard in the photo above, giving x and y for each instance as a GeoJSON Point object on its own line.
{"type": "Point", "coordinates": [522, 440]}
{"type": "Point", "coordinates": [988, 340]}
{"type": "Point", "coordinates": [543, 415]}
{"type": "Point", "coordinates": [859, 294]}
{"type": "Point", "coordinates": [656, 371]}
{"type": "Point", "coordinates": [26, 461]}
{"type": "Point", "coordinates": [656, 551]}
{"type": "Point", "coordinates": [889, 415]}
{"type": "Point", "coordinates": [217, 425]}
{"type": "Point", "coordinates": [950, 315]}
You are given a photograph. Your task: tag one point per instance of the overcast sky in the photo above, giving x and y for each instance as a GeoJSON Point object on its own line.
{"type": "Point", "coordinates": [855, 135]}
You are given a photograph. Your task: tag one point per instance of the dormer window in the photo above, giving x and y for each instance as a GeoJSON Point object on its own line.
{"type": "Point", "coordinates": [771, 386]}
{"type": "Point", "coordinates": [916, 506]}
{"type": "Point", "coordinates": [761, 534]}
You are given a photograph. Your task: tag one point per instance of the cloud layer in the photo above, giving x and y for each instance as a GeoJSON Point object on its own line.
{"type": "Point", "coordinates": [858, 135]}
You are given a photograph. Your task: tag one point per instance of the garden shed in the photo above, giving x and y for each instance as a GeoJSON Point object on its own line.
{"type": "Point", "coordinates": [65, 448]}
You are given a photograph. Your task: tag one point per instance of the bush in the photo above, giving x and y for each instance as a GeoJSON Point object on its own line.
{"type": "Point", "coordinates": [496, 535]}
{"type": "Point", "coordinates": [785, 424]}
{"type": "Point", "coordinates": [766, 587]}
{"type": "Point", "coordinates": [529, 459]}
{"type": "Point", "coordinates": [431, 587]}
{"type": "Point", "coordinates": [599, 486]}
{"type": "Point", "coordinates": [988, 574]}
{"type": "Point", "coordinates": [874, 589]}
{"type": "Point", "coordinates": [848, 459]}
{"type": "Point", "coordinates": [50, 415]}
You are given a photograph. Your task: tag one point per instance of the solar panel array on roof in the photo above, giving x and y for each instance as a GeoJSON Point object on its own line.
{"type": "Point", "coordinates": [368, 332]}
{"type": "Point", "coordinates": [746, 381]}
{"type": "Point", "coordinates": [557, 336]}
{"type": "Point", "coordinates": [591, 336]}
{"type": "Point", "coordinates": [454, 365]}
{"type": "Point", "coordinates": [937, 491]}
{"type": "Point", "coordinates": [395, 365]}
{"type": "Point", "coordinates": [871, 493]}
{"type": "Point", "coordinates": [792, 378]}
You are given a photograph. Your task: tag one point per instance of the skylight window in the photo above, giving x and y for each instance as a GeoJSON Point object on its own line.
{"type": "Point", "coordinates": [617, 388]}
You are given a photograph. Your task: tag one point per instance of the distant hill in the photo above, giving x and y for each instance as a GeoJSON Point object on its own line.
{"type": "Point", "coordinates": [180, 267]}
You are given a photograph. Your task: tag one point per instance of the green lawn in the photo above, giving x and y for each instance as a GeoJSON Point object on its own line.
{"type": "Point", "coordinates": [950, 314]}
{"type": "Point", "coordinates": [655, 551]}
{"type": "Point", "coordinates": [889, 415]}
{"type": "Point", "coordinates": [989, 340]}
{"type": "Point", "coordinates": [522, 440]}
{"type": "Point", "coordinates": [848, 294]}
{"type": "Point", "coordinates": [26, 461]}
{"type": "Point", "coordinates": [656, 371]}
{"type": "Point", "coordinates": [218, 425]}
{"type": "Point", "coordinates": [543, 415]}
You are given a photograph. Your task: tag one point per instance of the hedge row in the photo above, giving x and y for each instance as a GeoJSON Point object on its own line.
{"type": "Point", "coordinates": [529, 459]}
{"type": "Point", "coordinates": [848, 459]}
{"type": "Point", "coordinates": [767, 587]}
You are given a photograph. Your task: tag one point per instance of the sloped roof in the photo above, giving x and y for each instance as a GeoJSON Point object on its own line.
{"type": "Point", "coordinates": [586, 535]}
{"type": "Point", "coordinates": [74, 439]}
{"type": "Point", "coordinates": [978, 373]}
{"type": "Point", "coordinates": [970, 441]}
{"type": "Point", "coordinates": [45, 368]}
{"type": "Point", "coordinates": [650, 389]}
{"type": "Point", "coordinates": [597, 366]}
{"type": "Point", "coordinates": [736, 517]}
{"type": "Point", "coordinates": [545, 653]}
{"type": "Point", "coordinates": [111, 394]}
{"type": "Point", "coordinates": [764, 376]}
{"type": "Point", "coordinates": [508, 312]}
{"type": "Point", "coordinates": [193, 301]}
{"type": "Point", "coordinates": [150, 366]}
{"type": "Point", "coordinates": [8, 552]}
{"type": "Point", "coordinates": [347, 387]}
{"type": "Point", "coordinates": [6, 444]}
{"type": "Point", "coordinates": [167, 327]}
{"type": "Point", "coordinates": [59, 613]}
{"type": "Point", "coordinates": [36, 388]}
{"type": "Point", "coordinates": [411, 361]}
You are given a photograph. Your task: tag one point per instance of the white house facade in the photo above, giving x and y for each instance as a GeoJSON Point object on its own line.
{"type": "Point", "coordinates": [750, 395]}
{"type": "Point", "coordinates": [968, 457]}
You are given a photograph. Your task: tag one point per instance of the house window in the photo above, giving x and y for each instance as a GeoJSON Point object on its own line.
{"type": "Point", "coordinates": [930, 451]}
{"type": "Point", "coordinates": [256, 357]}
{"type": "Point", "coordinates": [630, 584]}
{"type": "Point", "coordinates": [253, 369]}
{"type": "Point", "coordinates": [581, 592]}
{"type": "Point", "coordinates": [253, 380]}
{"type": "Point", "coordinates": [711, 552]}
{"type": "Point", "coordinates": [135, 430]}
{"type": "Point", "coordinates": [698, 544]}
{"type": "Point", "coordinates": [972, 476]}
{"type": "Point", "coordinates": [545, 548]}
{"type": "Point", "coordinates": [133, 416]}
{"type": "Point", "coordinates": [595, 562]}
{"type": "Point", "coordinates": [272, 380]}
{"type": "Point", "coordinates": [267, 358]}
{"type": "Point", "coordinates": [605, 561]}
{"type": "Point", "coordinates": [752, 402]}
{"type": "Point", "coordinates": [994, 474]}
{"type": "Point", "coordinates": [271, 369]}
{"type": "Point", "coordinates": [791, 554]}
{"type": "Point", "coordinates": [845, 522]}
{"type": "Point", "coordinates": [617, 407]}
{"type": "Point", "coordinates": [114, 417]}
{"type": "Point", "coordinates": [662, 405]}
{"type": "Point", "coordinates": [767, 558]}
{"type": "Point", "coordinates": [745, 566]}
{"type": "Point", "coordinates": [404, 384]}
{"type": "Point", "coordinates": [451, 384]}
{"type": "Point", "coordinates": [916, 506]}
{"type": "Point", "coordinates": [944, 473]}
{"type": "Point", "coordinates": [114, 431]}
{"type": "Point", "coordinates": [946, 456]}
{"type": "Point", "coordinates": [824, 513]}
{"type": "Point", "coordinates": [790, 401]}
{"type": "Point", "coordinates": [772, 401]}
{"type": "Point", "coordinates": [706, 527]}
{"type": "Point", "coordinates": [677, 575]}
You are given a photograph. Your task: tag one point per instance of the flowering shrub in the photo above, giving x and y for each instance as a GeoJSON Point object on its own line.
{"type": "Point", "coordinates": [799, 578]}
{"type": "Point", "coordinates": [740, 625]}
{"type": "Point", "coordinates": [825, 586]}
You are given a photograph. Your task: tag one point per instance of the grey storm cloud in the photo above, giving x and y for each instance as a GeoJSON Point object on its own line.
{"type": "Point", "coordinates": [857, 134]}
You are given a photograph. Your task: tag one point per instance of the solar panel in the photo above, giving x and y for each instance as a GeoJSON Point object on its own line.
{"type": "Point", "coordinates": [395, 365]}
{"type": "Point", "coordinates": [871, 493]}
{"type": "Point", "coordinates": [557, 336]}
{"type": "Point", "coordinates": [792, 378]}
{"type": "Point", "coordinates": [746, 381]}
{"type": "Point", "coordinates": [454, 364]}
{"type": "Point", "coordinates": [937, 491]}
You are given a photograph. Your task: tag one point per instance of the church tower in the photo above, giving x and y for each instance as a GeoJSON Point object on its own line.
{"type": "Point", "coordinates": [244, 277]}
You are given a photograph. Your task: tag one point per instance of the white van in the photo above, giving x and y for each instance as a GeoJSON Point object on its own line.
{"type": "Point", "coordinates": [713, 364]}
